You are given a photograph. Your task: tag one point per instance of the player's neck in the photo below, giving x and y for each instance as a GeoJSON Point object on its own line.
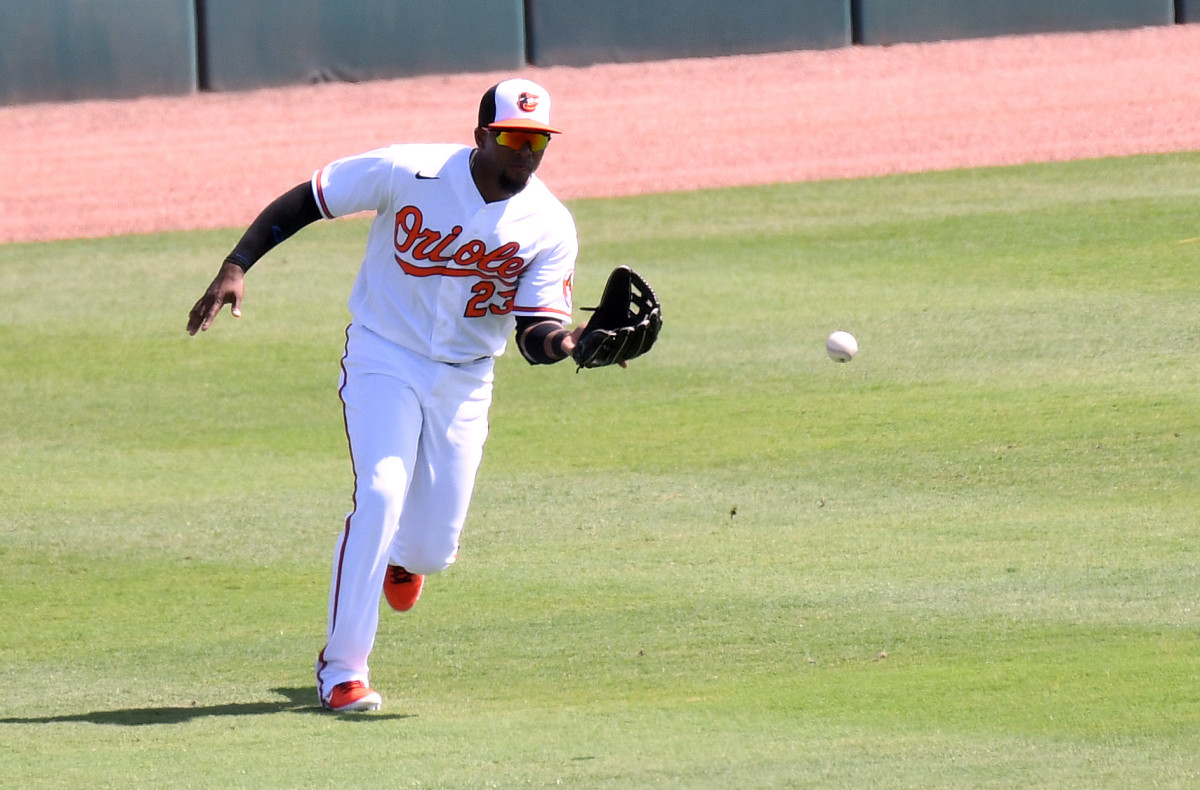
{"type": "Point", "coordinates": [490, 185]}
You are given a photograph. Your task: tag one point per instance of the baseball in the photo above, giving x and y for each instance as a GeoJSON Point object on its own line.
{"type": "Point", "coordinates": [841, 346]}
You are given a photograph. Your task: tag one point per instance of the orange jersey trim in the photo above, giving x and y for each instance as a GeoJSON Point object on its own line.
{"type": "Point", "coordinates": [541, 311]}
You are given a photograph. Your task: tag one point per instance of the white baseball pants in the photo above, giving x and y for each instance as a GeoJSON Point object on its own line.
{"type": "Point", "coordinates": [416, 430]}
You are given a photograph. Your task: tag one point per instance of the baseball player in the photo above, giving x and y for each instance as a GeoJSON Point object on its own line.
{"type": "Point", "coordinates": [467, 247]}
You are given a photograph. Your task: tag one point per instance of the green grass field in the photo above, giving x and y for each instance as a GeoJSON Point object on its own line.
{"type": "Point", "coordinates": [967, 559]}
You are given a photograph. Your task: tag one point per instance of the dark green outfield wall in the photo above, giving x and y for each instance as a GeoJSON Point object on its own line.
{"type": "Point", "coordinates": [582, 32]}
{"type": "Point", "coordinates": [55, 50]}
{"type": "Point", "coordinates": [894, 21]}
{"type": "Point", "coordinates": [258, 43]}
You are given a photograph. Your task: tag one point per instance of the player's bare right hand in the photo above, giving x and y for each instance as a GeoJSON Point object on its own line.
{"type": "Point", "coordinates": [226, 288]}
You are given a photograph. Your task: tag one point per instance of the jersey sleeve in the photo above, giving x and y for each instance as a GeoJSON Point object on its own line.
{"type": "Point", "coordinates": [545, 290]}
{"type": "Point", "coordinates": [354, 183]}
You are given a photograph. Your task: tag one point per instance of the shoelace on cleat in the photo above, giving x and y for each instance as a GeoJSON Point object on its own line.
{"type": "Point", "coordinates": [399, 576]}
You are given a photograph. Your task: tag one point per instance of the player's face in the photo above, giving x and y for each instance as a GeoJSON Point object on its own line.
{"type": "Point", "coordinates": [511, 156]}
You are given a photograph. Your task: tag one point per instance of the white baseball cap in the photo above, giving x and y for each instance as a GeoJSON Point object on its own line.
{"type": "Point", "coordinates": [516, 104]}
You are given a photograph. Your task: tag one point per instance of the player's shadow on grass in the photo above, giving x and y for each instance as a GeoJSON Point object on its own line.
{"type": "Point", "coordinates": [299, 700]}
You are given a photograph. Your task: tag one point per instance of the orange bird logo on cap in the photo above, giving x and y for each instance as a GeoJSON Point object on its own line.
{"type": "Point", "coordinates": [527, 102]}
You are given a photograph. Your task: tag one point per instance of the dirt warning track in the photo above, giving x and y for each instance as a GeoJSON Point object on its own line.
{"type": "Point", "coordinates": [90, 169]}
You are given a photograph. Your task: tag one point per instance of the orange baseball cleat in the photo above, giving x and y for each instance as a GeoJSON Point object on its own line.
{"type": "Point", "coordinates": [353, 695]}
{"type": "Point", "coordinates": [401, 588]}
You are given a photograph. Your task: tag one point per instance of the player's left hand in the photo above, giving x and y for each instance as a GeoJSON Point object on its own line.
{"type": "Point", "coordinates": [572, 340]}
{"type": "Point", "coordinates": [226, 288]}
{"type": "Point", "coordinates": [624, 325]}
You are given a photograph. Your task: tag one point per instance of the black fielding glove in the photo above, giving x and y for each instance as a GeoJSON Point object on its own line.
{"type": "Point", "coordinates": [623, 326]}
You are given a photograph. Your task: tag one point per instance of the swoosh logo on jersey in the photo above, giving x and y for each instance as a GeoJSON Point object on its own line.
{"type": "Point", "coordinates": [425, 177]}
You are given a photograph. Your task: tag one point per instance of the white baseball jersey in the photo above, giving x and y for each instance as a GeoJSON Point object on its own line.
{"type": "Point", "coordinates": [445, 273]}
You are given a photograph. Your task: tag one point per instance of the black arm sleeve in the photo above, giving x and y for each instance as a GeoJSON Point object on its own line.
{"type": "Point", "coordinates": [287, 214]}
{"type": "Point", "coordinates": [540, 340]}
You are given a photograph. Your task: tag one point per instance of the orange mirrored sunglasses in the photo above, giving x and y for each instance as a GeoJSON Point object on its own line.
{"type": "Point", "coordinates": [516, 140]}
